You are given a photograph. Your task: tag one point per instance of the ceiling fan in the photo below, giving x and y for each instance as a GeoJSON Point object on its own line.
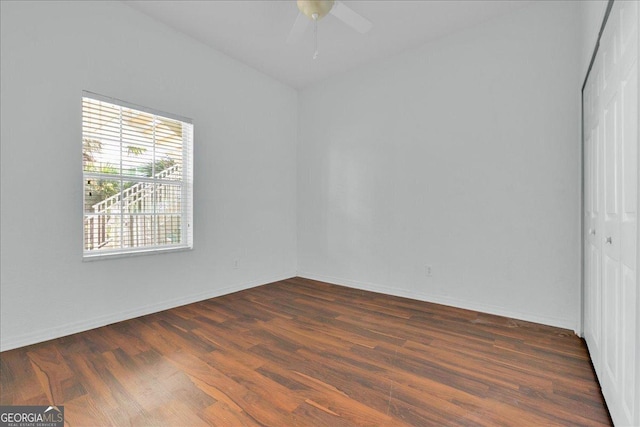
{"type": "Point", "coordinates": [314, 10]}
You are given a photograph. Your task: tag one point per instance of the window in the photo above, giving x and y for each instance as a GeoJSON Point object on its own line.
{"type": "Point", "coordinates": [137, 178]}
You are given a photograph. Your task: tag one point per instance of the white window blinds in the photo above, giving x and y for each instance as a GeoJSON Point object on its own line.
{"type": "Point", "coordinates": [137, 178]}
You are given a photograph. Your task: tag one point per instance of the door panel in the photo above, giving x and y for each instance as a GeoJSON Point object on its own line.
{"type": "Point", "coordinates": [612, 318]}
{"type": "Point", "coordinates": [629, 172]}
{"type": "Point", "coordinates": [610, 238]}
{"type": "Point", "coordinates": [628, 16]}
{"type": "Point", "coordinates": [611, 324]}
{"type": "Point", "coordinates": [593, 309]}
{"type": "Point", "coordinates": [628, 347]}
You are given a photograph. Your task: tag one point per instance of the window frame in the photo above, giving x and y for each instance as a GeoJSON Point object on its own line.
{"type": "Point", "coordinates": [186, 186]}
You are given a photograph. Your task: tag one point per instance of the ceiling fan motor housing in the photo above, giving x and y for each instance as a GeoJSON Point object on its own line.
{"type": "Point", "coordinates": [315, 7]}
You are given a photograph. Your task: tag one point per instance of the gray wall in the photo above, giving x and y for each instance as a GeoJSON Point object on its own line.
{"type": "Point", "coordinates": [591, 16]}
{"type": "Point", "coordinates": [245, 154]}
{"type": "Point", "coordinates": [463, 155]}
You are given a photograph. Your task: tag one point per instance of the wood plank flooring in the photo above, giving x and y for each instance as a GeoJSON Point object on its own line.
{"type": "Point", "coordinates": [305, 353]}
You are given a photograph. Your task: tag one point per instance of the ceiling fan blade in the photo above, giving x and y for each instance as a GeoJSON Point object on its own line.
{"type": "Point", "coordinates": [351, 18]}
{"type": "Point", "coordinates": [298, 29]}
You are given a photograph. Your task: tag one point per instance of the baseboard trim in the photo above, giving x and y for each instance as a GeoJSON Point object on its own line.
{"type": "Point", "coordinates": [444, 300]}
{"type": "Point", "coordinates": [97, 322]}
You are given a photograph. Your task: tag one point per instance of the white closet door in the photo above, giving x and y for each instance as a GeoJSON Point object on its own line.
{"type": "Point", "coordinates": [611, 296]}
{"type": "Point", "coordinates": [628, 192]}
{"type": "Point", "coordinates": [611, 210]}
{"type": "Point", "coordinates": [593, 202]}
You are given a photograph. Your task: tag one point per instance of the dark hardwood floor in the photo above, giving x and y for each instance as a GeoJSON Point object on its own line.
{"type": "Point", "coordinates": [301, 352]}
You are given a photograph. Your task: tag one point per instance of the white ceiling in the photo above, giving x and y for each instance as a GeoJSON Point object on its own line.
{"type": "Point", "coordinates": [255, 32]}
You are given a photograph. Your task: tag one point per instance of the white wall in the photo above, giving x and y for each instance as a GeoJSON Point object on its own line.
{"type": "Point", "coordinates": [464, 155]}
{"type": "Point", "coordinates": [591, 16]}
{"type": "Point", "coordinates": [245, 154]}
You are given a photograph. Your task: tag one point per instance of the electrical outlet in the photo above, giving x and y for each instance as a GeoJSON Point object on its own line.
{"type": "Point", "coordinates": [236, 264]}
{"type": "Point", "coordinates": [428, 271]}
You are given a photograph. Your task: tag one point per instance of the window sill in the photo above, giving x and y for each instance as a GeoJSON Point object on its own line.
{"type": "Point", "coordinates": [90, 257]}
